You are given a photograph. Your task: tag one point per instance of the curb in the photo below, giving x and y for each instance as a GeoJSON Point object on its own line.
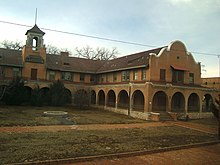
{"type": "Point", "coordinates": [117, 155]}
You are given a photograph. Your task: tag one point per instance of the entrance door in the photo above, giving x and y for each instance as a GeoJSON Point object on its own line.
{"type": "Point", "coordinates": [33, 74]}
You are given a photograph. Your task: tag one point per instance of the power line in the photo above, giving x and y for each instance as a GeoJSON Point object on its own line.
{"type": "Point", "coordinates": [103, 38]}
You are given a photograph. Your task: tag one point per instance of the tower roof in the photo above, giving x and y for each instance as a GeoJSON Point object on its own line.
{"type": "Point", "coordinates": [35, 29]}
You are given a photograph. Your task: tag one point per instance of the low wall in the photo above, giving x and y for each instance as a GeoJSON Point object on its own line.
{"type": "Point", "coordinates": [134, 114]}
{"type": "Point", "coordinates": [120, 111]}
{"type": "Point", "coordinates": [140, 115]}
{"type": "Point", "coordinates": [195, 115]}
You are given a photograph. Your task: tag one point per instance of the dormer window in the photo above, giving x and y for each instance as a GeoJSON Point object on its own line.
{"type": "Point", "coordinates": [66, 63]}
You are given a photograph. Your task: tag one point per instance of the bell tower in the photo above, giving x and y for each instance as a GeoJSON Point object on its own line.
{"type": "Point", "coordinates": [34, 55]}
{"type": "Point", "coordinates": [35, 38]}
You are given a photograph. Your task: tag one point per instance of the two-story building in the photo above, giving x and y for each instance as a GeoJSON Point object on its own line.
{"type": "Point", "coordinates": [165, 79]}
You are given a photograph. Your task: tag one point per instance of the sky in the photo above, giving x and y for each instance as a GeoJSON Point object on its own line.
{"type": "Point", "coordinates": [153, 23]}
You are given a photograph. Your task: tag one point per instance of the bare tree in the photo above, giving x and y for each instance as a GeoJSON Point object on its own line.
{"type": "Point", "coordinates": [15, 45]}
{"type": "Point", "coordinates": [52, 49]}
{"type": "Point", "coordinates": [96, 54]}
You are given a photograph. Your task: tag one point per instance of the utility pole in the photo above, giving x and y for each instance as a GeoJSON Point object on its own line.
{"type": "Point", "coordinates": [219, 117]}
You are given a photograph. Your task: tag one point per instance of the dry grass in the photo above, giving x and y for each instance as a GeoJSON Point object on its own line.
{"type": "Point", "coordinates": [23, 147]}
{"type": "Point", "coordinates": [31, 116]}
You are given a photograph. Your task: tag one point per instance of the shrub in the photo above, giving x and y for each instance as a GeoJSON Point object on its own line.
{"type": "Point", "coordinates": [81, 98]}
{"type": "Point", "coordinates": [57, 94]}
{"type": "Point", "coordinates": [16, 93]}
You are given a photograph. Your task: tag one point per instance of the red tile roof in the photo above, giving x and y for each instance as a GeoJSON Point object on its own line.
{"type": "Point", "coordinates": [10, 57]}
{"type": "Point", "coordinates": [74, 64]}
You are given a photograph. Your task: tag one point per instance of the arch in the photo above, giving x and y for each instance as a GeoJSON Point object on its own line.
{"type": "Point", "coordinates": [207, 103]}
{"type": "Point", "coordinates": [101, 97]}
{"type": "Point", "coordinates": [2, 91]}
{"type": "Point", "coordinates": [178, 102]}
{"type": "Point", "coordinates": [44, 92]}
{"type": "Point", "coordinates": [138, 101]}
{"type": "Point", "coordinates": [81, 98]}
{"type": "Point", "coordinates": [93, 97]}
{"type": "Point", "coordinates": [159, 101]}
{"type": "Point", "coordinates": [123, 99]}
{"type": "Point", "coordinates": [68, 94]}
{"type": "Point", "coordinates": [35, 42]}
{"type": "Point", "coordinates": [28, 91]}
{"type": "Point", "coordinates": [111, 98]}
{"type": "Point", "coordinates": [193, 103]}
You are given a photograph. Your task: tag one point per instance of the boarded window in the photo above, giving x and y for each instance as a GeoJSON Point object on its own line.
{"type": "Point", "coordinates": [191, 78]}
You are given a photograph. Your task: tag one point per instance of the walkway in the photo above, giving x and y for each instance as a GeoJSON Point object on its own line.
{"type": "Point", "coordinates": [55, 128]}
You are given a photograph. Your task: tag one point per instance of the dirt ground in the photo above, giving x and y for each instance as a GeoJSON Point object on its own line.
{"type": "Point", "coordinates": [193, 156]}
{"type": "Point", "coordinates": [200, 155]}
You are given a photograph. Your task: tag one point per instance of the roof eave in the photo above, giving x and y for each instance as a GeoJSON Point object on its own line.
{"type": "Point", "coordinates": [120, 69]}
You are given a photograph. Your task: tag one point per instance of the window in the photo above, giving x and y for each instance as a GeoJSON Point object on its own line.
{"type": "Point", "coordinates": [92, 78]}
{"type": "Point", "coordinates": [135, 75]}
{"type": "Point", "coordinates": [114, 77]}
{"type": "Point", "coordinates": [178, 76]}
{"type": "Point", "coordinates": [35, 44]}
{"type": "Point", "coordinates": [102, 78]}
{"type": "Point", "coordinates": [143, 74]}
{"type": "Point", "coordinates": [16, 72]}
{"type": "Point", "coordinates": [33, 74]}
{"type": "Point", "coordinates": [67, 76]}
{"type": "Point", "coordinates": [1, 71]}
{"type": "Point", "coordinates": [191, 78]}
{"type": "Point", "coordinates": [162, 74]}
{"type": "Point", "coordinates": [82, 77]}
{"type": "Point", "coordinates": [51, 75]}
{"type": "Point", "coordinates": [107, 80]}
{"type": "Point", "coordinates": [125, 76]}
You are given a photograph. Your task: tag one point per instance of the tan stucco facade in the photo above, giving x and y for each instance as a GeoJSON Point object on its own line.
{"type": "Point", "coordinates": [170, 82]}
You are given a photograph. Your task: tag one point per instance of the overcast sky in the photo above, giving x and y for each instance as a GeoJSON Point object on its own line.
{"type": "Point", "coordinates": [151, 22]}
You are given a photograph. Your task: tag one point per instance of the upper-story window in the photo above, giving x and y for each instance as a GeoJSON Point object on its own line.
{"type": "Point", "coordinates": [67, 76]}
{"type": "Point", "coordinates": [107, 77]}
{"type": "Point", "coordinates": [1, 71]}
{"type": "Point", "coordinates": [51, 75]}
{"type": "Point", "coordinates": [143, 74]}
{"type": "Point", "coordinates": [125, 76]}
{"type": "Point", "coordinates": [114, 77]}
{"type": "Point", "coordinates": [16, 72]}
{"type": "Point", "coordinates": [191, 78]}
{"type": "Point", "coordinates": [178, 76]}
{"type": "Point", "coordinates": [162, 74]}
{"type": "Point", "coordinates": [82, 77]}
{"type": "Point", "coordinates": [135, 75]}
{"type": "Point", "coordinates": [92, 78]}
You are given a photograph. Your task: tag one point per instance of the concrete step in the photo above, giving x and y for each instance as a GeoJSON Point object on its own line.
{"type": "Point", "coordinates": [165, 116]}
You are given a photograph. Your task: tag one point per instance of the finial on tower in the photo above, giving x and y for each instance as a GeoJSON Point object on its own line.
{"type": "Point", "coordinates": [36, 17]}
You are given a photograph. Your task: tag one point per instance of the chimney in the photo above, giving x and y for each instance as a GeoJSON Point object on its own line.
{"type": "Point", "coordinates": [64, 54]}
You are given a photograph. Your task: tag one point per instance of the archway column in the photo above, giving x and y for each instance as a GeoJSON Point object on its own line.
{"type": "Point", "coordinates": [169, 104]}
{"type": "Point", "coordinates": [96, 99]}
{"type": "Point", "coordinates": [186, 106]}
{"type": "Point", "coordinates": [116, 102]}
{"type": "Point", "coordinates": [200, 106]}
